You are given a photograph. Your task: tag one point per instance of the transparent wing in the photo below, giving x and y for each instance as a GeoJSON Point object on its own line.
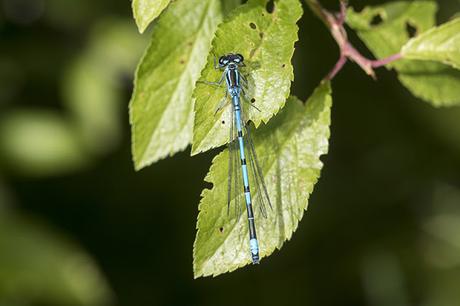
{"type": "Point", "coordinates": [245, 90]}
{"type": "Point", "coordinates": [235, 193]}
{"type": "Point", "coordinates": [230, 164]}
{"type": "Point", "coordinates": [260, 195]}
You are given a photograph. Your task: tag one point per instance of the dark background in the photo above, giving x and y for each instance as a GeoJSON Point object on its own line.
{"type": "Point", "coordinates": [383, 224]}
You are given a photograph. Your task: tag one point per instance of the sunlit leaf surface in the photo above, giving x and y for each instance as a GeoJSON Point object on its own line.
{"type": "Point", "coordinates": [289, 150]}
{"type": "Point", "coordinates": [145, 11]}
{"type": "Point", "coordinates": [440, 44]}
{"type": "Point", "coordinates": [265, 36]}
{"type": "Point", "coordinates": [161, 107]}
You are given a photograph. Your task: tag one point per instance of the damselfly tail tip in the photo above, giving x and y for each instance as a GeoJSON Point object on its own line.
{"type": "Point", "coordinates": [254, 245]}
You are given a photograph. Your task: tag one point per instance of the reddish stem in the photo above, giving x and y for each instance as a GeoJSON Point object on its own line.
{"type": "Point", "coordinates": [335, 23]}
{"type": "Point", "coordinates": [337, 67]}
{"type": "Point", "coordinates": [387, 60]}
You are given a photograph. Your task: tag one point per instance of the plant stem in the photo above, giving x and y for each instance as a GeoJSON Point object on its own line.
{"type": "Point", "coordinates": [335, 23]}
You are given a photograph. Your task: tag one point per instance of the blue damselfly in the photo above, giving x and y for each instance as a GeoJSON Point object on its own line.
{"type": "Point", "coordinates": [240, 142]}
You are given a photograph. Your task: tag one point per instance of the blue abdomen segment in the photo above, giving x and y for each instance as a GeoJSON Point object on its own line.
{"type": "Point", "coordinates": [254, 246]}
{"type": "Point", "coordinates": [253, 243]}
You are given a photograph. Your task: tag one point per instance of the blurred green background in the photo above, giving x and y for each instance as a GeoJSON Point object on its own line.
{"type": "Point", "coordinates": [79, 227]}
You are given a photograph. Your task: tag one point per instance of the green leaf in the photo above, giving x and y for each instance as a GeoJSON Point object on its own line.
{"type": "Point", "coordinates": [266, 40]}
{"type": "Point", "coordinates": [440, 44]}
{"type": "Point", "coordinates": [229, 5]}
{"type": "Point", "coordinates": [37, 142]}
{"type": "Point", "coordinates": [386, 38]}
{"type": "Point", "coordinates": [145, 11]}
{"type": "Point", "coordinates": [431, 81]}
{"type": "Point", "coordinates": [93, 89]}
{"type": "Point", "coordinates": [289, 150]}
{"type": "Point", "coordinates": [161, 107]}
{"type": "Point", "coordinates": [40, 268]}
{"type": "Point", "coordinates": [40, 142]}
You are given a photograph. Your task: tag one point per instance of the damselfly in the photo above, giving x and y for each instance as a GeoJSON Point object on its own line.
{"type": "Point", "coordinates": [240, 141]}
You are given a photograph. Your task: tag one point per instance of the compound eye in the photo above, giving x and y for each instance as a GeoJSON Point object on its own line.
{"type": "Point", "coordinates": [221, 61]}
{"type": "Point", "coordinates": [240, 57]}
{"type": "Point", "coordinates": [225, 61]}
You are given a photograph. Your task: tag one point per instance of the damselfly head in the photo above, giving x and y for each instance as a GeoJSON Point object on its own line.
{"type": "Point", "coordinates": [231, 58]}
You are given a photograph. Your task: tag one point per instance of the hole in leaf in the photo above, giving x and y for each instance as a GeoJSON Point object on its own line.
{"type": "Point", "coordinates": [411, 29]}
{"type": "Point", "coordinates": [270, 7]}
{"type": "Point", "coordinates": [284, 65]}
{"type": "Point", "coordinates": [207, 185]}
{"type": "Point", "coordinates": [376, 20]}
{"type": "Point", "coordinates": [221, 229]}
{"type": "Point", "coordinates": [223, 121]}
{"type": "Point", "coordinates": [253, 25]}
{"type": "Point", "coordinates": [253, 100]}
{"type": "Point", "coordinates": [261, 35]}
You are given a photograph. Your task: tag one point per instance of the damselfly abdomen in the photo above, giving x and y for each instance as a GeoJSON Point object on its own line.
{"type": "Point", "coordinates": [240, 142]}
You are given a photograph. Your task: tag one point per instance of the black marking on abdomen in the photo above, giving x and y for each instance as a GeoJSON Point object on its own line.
{"type": "Point", "coordinates": [240, 133]}
{"type": "Point", "coordinates": [246, 189]}
{"type": "Point", "coordinates": [243, 161]}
